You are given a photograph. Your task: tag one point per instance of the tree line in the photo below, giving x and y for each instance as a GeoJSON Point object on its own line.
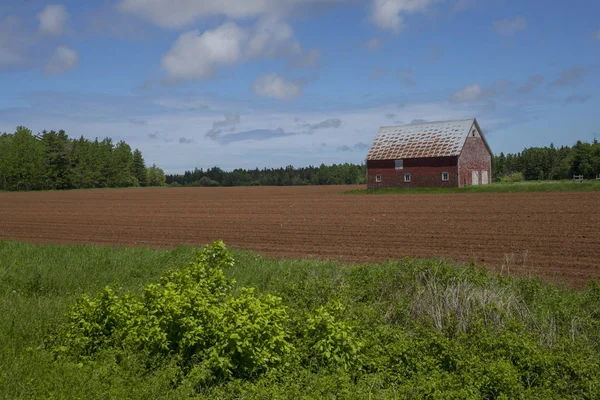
{"type": "Point", "coordinates": [336, 174]}
{"type": "Point", "coordinates": [53, 161]}
{"type": "Point", "coordinates": [550, 162]}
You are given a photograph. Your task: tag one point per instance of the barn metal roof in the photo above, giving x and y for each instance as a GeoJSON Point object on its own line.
{"type": "Point", "coordinates": [423, 140]}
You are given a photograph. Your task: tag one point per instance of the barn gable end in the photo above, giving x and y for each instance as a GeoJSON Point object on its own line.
{"type": "Point", "coordinates": [433, 154]}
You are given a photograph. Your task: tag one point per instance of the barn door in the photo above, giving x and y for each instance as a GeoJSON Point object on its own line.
{"type": "Point", "coordinates": [475, 178]}
{"type": "Point", "coordinates": [484, 177]}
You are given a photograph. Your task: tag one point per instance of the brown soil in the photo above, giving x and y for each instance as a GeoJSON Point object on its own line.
{"type": "Point", "coordinates": [555, 235]}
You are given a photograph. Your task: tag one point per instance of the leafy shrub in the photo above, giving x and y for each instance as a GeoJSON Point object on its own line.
{"type": "Point", "coordinates": [513, 177]}
{"type": "Point", "coordinates": [192, 313]}
{"type": "Point", "coordinates": [206, 181]}
{"type": "Point", "coordinates": [327, 340]}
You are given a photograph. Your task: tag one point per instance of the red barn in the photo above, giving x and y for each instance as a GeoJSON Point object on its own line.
{"type": "Point", "coordinates": [431, 154]}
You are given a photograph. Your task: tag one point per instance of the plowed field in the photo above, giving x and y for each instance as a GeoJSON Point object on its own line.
{"type": "Point", "coordinates": [556, 235]}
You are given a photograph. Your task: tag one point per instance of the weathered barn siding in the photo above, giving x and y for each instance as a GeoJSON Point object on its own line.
{"type": "Point", "coordinates": [474, 157]}
{"type": "Point", "coordinates": [425, 172]}
{"type": "Point", "coordinates": [427, 150]}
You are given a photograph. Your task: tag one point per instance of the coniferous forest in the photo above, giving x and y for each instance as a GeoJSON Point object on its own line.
{"type": "Point", "coordinates": [551, 163]}
{"type": "Point", "coordinates": [53, 161]}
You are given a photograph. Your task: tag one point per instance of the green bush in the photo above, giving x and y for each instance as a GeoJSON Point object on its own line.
{"type": "Point", "coordinates": [327, 340]}
{"type": "Point", "coordinates": [192, 314]}
{"type": "Point", "coordinates": [513, 177]}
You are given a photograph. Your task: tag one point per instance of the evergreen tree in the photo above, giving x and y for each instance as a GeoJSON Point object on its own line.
{"type": "Point", "coordinates": [27, 167]}
{"type": "Point", "coordinates": [58, 151]}
{"type": "Point", "coordinates": [139, 167]}
{"type": "Point", "coordinates": [6, 162]}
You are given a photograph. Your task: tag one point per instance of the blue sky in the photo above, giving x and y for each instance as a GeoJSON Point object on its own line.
{"type": "Point", "coordinates": [263, 83]}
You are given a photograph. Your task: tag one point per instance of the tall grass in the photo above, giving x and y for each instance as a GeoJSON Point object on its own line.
{"type": "Point", "coordinates": [427, 328]}
{"type": "Point", "coordinates": [504, 187]}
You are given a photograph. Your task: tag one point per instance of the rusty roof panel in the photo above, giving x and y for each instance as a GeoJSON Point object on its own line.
{"type": "Point", "coordinates": [430, 139]}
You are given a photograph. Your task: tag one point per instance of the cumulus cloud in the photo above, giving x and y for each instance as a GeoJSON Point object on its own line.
{"type": "Point", "coordinates": [227, 125]}
{"type": "Point", "coordinates": [62, 60]}
{"type": "Point", "coordinates": [53, 19]}
{"type": "Point", "coordinates": [510, 26]}
{"type": "Point", "coordinates": [388, 14]}
{"type": "Point", "coordinates": [570, 77]}
{"type": "Point", "coordinates": [273, 86]}
{"type": "Point", "coordinates": [405, 75]}
{"type": "Point", "coordinates": [270, 38]}
{"type": "Point", "coordinates": [196, 56]}
{"type": "Point", "coordinates": [531, 83]}
{"type": "Point", "coordinates": [469, 93]}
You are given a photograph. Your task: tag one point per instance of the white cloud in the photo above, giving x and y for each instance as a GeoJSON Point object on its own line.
{"type": "Point", "coordinates": [270, 38]}
{"type": "Point", "coordinates": [469, 93]}
{"type": "Point", "coordinates": [53, 19]}
{"type": "Point", "coordinates": [197, 56]}
{"type": "Point", "coordinates": [62, 60]}
{"type": "Point", "coordinates": [276, 87]}
{"type": "Point", "coordinates": [388, 14]}
{"type": "Point", "coordinates": [510, 26]}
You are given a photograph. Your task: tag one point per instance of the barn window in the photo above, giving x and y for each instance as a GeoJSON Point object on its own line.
{"type": "Point", "coordinates": [406, 177]}
{"type": "Point", "coordinates": [377, 178]}
{"type": "Point", "coordinates": [399, 165]}
{"type": "Point", "coordinates": [445, 176]}
{"type": "Point", "coordinates": [474, 131]}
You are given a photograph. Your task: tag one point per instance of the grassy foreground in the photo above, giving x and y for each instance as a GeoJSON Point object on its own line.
{"type": "Point", "coordinates": [513, 187]}
{"type": "Point", "coordinates": [401, 329]}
